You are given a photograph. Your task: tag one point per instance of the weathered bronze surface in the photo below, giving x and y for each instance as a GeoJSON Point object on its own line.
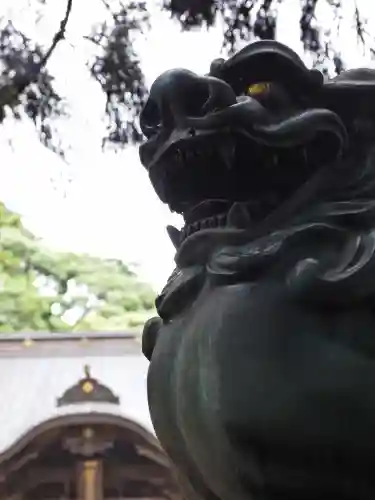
{"type": "Point", "coordinates": [262, 363]}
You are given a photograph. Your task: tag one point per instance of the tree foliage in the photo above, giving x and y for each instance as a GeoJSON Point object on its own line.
{"type": "Point", "coordinates": [45, 290]}
{"type": "Point", "coordinates": [245, 20]}
{"type": "Point", "coordinates": [117, 69]}
{"type": "Point", "coordinates": [27, 87]}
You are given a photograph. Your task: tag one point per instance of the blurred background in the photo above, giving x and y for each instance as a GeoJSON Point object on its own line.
{"type": "Point", "coordinates": [83, 246]}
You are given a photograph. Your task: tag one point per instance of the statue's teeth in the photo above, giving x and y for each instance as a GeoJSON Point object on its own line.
{"type": "Point", "coordinates": [238, 216]}
{"type": "Point", "coordinates": [174, 235]}
{"type": "Point", "coordinates": [212, 222]}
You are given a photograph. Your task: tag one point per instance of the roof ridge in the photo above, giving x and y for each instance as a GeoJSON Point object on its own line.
{"type": "Point", "coordinates": [76, 336]}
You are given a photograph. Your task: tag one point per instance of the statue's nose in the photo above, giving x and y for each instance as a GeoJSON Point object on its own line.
{"type": "Point", "coordinates": [179, 94]}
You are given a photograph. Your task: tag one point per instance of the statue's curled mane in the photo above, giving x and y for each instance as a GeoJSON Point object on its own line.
{"type": "Point", "coordinates": [323, 258]}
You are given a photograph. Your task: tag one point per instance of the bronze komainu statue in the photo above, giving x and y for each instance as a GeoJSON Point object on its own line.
{"type": "Point", "coordinates": [262, 363]}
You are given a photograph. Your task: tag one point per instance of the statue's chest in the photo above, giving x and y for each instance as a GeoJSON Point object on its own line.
{"type": "Point", "coordinates": [251, 360]}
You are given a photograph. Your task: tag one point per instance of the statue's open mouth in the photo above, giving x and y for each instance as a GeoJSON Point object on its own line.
{"type": "Point", "coordinates": [250, 180]}
{"type": "Point", "coordinates": [227, 179]}
{"type": "Point", "coordinates": [227, 154]}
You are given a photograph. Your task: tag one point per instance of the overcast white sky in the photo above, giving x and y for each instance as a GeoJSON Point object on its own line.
{"type": "Point", "coordinates": [103, 203]}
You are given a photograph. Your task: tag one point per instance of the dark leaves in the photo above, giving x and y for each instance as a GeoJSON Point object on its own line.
{"type": "Point", "coordinates": [326, 56]}
{"type": "Point", "coordinates": [191, 13]}
{"type": "Point", "coordinates": [243, 19]}
{"type": "Point", "coordinates": [237, 17]}
{"type": "Point", "coordinates": [43, 105]}
{"type": "Point", "coordinates": [118, 71]}
{"type": "Point", "coordinates": [26, 87]}
{"type": "Point", "coordinates": [19, 59]}
{"type": "Point", "coordinates": [265, 23]}
{"type": "Point", "coordinates": [310, 35]}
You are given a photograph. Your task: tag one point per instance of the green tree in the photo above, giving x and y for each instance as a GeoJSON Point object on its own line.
{"type": "Point", "coordinates": [45, 290]}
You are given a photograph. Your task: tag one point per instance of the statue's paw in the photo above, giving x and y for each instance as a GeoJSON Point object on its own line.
{"type": "Point", "coordinates": [149, 336]}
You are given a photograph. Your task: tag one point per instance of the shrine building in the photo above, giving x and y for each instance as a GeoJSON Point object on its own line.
{"type": "Point", "coordinates": [74, 421]}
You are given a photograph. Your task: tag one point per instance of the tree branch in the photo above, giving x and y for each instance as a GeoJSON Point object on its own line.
{"type": "Point", "coordinates": [59, 35]}
{"type": "Point", "coordinates": [92, 40]}
{"type": "Point", "coordinates": [359, 25]}
{"type": "Point", "coordinates": [10, 92]}
{"type": "Point", "coordinates": [108, 7]}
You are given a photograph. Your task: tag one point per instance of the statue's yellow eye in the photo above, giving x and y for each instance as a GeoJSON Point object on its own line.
{"type": "Point", "coordinates": [258, 88]}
